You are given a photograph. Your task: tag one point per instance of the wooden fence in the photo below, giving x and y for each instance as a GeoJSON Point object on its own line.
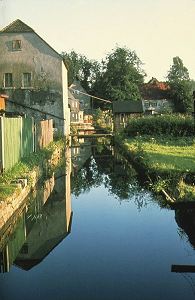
{"type": "Point", "coordinates": [19, 137]}
{"type": "Point", "coordinates": [44, 133]}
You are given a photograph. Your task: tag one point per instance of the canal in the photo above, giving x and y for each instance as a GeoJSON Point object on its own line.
{"type": "Point", "coordinates": [92, 231]}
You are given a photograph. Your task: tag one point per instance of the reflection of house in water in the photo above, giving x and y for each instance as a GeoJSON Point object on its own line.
{"type": "Point", "coordinates": [41, 228]}
{"type": "Point", "coordinates": [80, 154]}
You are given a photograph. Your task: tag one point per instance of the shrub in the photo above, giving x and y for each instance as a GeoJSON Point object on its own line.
{"type": "Point", "coordinates": [175, 125]}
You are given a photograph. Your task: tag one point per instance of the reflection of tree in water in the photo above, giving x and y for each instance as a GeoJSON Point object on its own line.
{"type": "Point", "coordinates": [86, 178]}
{"type": "Point", "coordinates": [117, 176]}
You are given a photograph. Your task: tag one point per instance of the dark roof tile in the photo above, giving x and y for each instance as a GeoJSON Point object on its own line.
{"type": "Point", "coordinates": [127, 106]}
{"type": "Point", "coordinates": [17, 26]}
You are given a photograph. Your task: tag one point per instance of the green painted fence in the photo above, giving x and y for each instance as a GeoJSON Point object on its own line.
{"type": "Point", "coordinates": [16, 140]}
{"type": "Point", "coordinates": [27, 136]}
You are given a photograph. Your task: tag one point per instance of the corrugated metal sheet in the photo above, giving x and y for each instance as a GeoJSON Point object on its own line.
{"type": "Point", "coordinates": [27, 136]}
{"type": "Point", "coordinates": [16, 140]}
{"type": "Point", "coordinates": [11, 141]}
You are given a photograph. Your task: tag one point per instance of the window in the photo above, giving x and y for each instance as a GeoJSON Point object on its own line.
{"type": "Point", "coordinates": [26, 80]}
{"type": "Point", "coordinates": [16, 45]}
{"type": "Point", "coordinates": [8, 80]}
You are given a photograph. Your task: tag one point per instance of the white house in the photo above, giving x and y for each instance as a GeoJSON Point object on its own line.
{"type": "Point", "coordinates": [34, 76]}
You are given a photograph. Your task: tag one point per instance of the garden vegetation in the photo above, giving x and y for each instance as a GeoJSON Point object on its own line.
{"type": "Point", "coordinates": [163, 148]}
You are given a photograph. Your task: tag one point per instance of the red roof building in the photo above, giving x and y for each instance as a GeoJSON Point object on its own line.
{"type": "Point", "coordinates": [155, 90]}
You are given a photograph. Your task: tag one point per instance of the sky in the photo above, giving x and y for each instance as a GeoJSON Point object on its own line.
{"type": "Point", "coordinates": [157, 30]}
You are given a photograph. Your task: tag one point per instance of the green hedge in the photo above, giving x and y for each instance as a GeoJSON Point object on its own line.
{"type": "Point", "coordinates": [175, 125]}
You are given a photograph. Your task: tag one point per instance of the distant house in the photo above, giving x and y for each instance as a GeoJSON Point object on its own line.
{"type": "Point", "coordinates": [123, 110]}
{"type": "Point", "coordinates": [155, 95]}
{"type": "Point", "coordinates": [79, 92]}
{"type": "Point", "coordinates": [76, 114]}
{"type": "Point", "coordinates": [34, 76]}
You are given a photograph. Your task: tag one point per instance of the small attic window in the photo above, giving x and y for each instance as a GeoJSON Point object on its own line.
{"type": "Point", "coordinates": [16, 45]}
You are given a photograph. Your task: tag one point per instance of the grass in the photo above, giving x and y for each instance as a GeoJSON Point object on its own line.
{"type": "Point", "coordinates": [23, 168]}
{"type": "Point", "coordinates": [166, 156]}
{"type": "Point", "coordinates": [170, 160]}
{"type": "Point", "coordinates": [8, 190]}
{"type": "Point", "coordinates": [172, 155]}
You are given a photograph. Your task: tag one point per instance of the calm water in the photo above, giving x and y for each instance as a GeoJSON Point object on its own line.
{"type": "Point", "coordinates": [109, 239]}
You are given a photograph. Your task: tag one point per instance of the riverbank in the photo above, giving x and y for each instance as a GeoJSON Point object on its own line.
{"type": "Point", "coordinates": [166, 163]}
{"type": "Point", "coordinates": [16, 184]}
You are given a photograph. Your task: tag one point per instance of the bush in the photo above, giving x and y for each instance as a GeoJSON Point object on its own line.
{"type": "Point", "coordinates": [175, 125]}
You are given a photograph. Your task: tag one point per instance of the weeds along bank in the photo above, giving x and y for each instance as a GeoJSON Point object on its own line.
{"type": "Point", "coordinates": [31, 168]}
{"type": "Point", "coordinates": [162, 148]}
{"type": "Point", "coordinates": [17, 183]}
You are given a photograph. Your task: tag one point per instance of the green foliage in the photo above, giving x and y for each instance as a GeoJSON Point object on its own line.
{"type": "Point", "coordinates": [166, 154]}
{"type": "Point", "coordinates": [169, 161]}
{"type": "Point", "coordinates": [8, 190]}
{"type": "Point", "coordinates": [180, 86]}
{"type": "Point", "coordinates": [175, 125]}
{"type": "Point", "coordinates": [181, 92]}
{"type": "Point", "coordinates": [178, 72]}
{"type": "Point", "coordinates": [102, 119]}
{"type": "Point", "coordinates": [121, 76]}
{"type": "Point", "coordinates": [81, 68]}
{"type": "Point", "coordinates": [24, 167]}
{"type": "Point", "coordinates": [186, 191]}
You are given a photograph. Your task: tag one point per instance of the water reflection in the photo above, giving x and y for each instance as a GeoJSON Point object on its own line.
{"type": "Point", "coordinates": [46, 220]}
{"type": "Point", "coordinates": [42, 224]}
{"type": "Point", "coordinates": [185, 218]}
{"type": "Point", "coordinates": [106, 166]}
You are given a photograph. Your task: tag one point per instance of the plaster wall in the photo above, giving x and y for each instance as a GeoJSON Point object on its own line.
{"type": "Point", "coordinates": [49, 88]}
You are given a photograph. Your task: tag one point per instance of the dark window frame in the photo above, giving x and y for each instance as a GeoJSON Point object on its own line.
{"type": "Point", "coordinates": [8, 80]}
{"type": "Point", "coordinates": [16, 45]}
{"type": "Point", "coordinates": [26, 80]}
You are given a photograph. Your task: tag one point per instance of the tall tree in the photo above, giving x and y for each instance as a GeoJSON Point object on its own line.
{"type": "Point", "coordinates": [180, 86]}
{"type": "Point", "coordinates": [81, 68]}
{"type": "Point", "coordinates": [121, 76]}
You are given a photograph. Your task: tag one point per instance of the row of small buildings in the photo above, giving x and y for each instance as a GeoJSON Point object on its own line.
{"type": "Point", "coordinates": [33, 81]}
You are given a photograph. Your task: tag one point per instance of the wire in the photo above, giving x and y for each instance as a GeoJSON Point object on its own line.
{"type": "Point", "coordinates": [35, 109]}
{"type": "Point", "coordinates": [101, 99]}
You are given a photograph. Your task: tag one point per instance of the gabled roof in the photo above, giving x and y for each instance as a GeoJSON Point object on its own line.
{"type": "Point", "coordinates": [20, 27]}
{"type": "Point", "coordinates": [155, 90]}
{"type": "Point", "coordinates": [127, 106]}
{"type": "Point", "coordinates": [17, 26]}
{"type": "Point", "coordinates": [70, 96]}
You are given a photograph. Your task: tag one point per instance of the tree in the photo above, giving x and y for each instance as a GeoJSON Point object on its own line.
{"type": "Point", "coordinates": [180, 86]}
{"type": "Point", "coordinates": [121, 76]}
{"type": "Point", "coordinates": [81, 68]}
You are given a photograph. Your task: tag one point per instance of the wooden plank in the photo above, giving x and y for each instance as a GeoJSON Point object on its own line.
{"type": "Point", "coordinates": [91, 135]}
{"type": "Point", "coordinates": [44, 133]}
{"type": "Point", "coordinates": [183, 268]}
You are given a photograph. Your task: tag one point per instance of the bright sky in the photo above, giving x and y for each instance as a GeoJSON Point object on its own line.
{"type": "Point", "coordinates": [157, 30]}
